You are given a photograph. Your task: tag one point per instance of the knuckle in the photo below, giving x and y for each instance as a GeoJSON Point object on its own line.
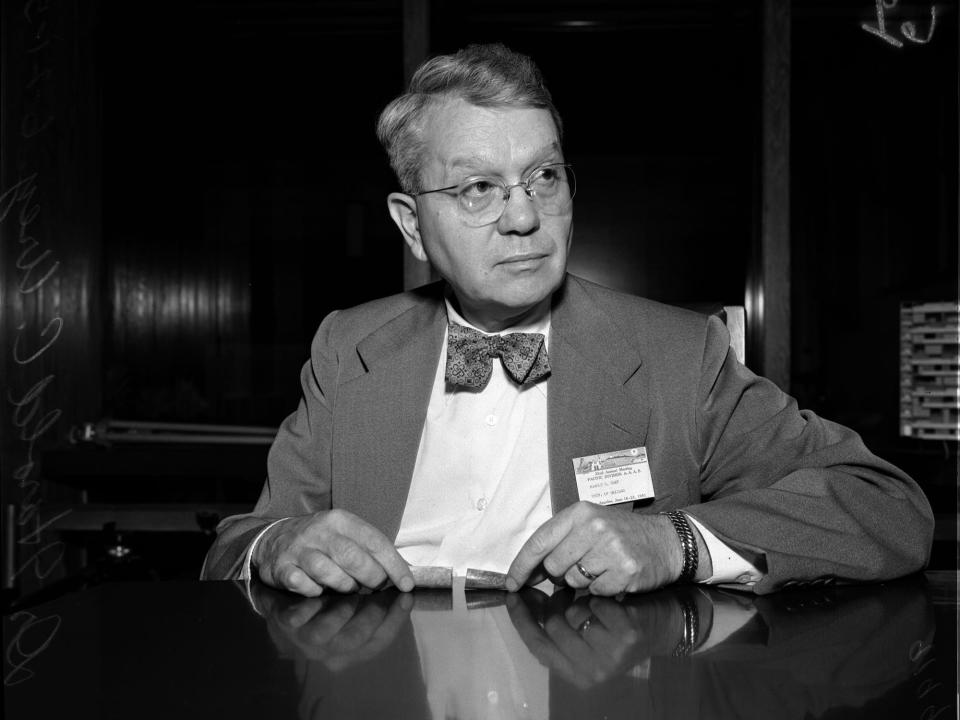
{"type": "Point", "coordinates": [348, 554]}
{"type": "Point", "coordinates": [315, 564]}
{"type": "Point", "coordinates": [601, 589]}
{"type": "Point", "coordinates": [537, 544]}
{"type": "Point", "coordinates": [598, 525]}
{"type": "Point", "coordinates": [583, 508]}
{"type": "Point", "coordinates": [314, 590]}
{"type": "Point", "coordinates": [552, 566]}
{"type": "Point", "coordinates": [266, 574]}
{"type": "Point", "coordinates": [554, 625]}
{"type": "Point", "coordinates": [335, 518]}
{"type": "Point", "coordinates": [289, 577]}
{"type": "Point", "coordinates": [343, 584]}
{"type": "Point", "coordinates": [376, 576]}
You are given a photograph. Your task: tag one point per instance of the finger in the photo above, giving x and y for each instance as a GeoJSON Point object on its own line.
{"type": "Point", "coordinates": [606, 646]}
{"type": "Point", "coordinates": [567, 638]}
{"type": "Point", "coordinates": [538, 576]}
{"type": "Point", "coordinates": [300, 613]}
{"type": "Point", "coordinates": [617, 571]}
{"type": "Point", "coordinates": [406, 603]}
{"type": "Point", "coordinates": [591, 648]}
{"type": "Point", "coordinates": [288, 576]}
{"type": "Point", "coordinates": [359, 629]}
{"type": "Point", "coordinates": [614, 618]}
{"type": "Point", "coordinates": [352, 557]}
{"type": "Point", "coordinates": [328, 624]}
{"type": "Point", "coordinates": [607, 585]}
{"type": "Point", "coordinates": [326, 571]}
{"type": "Point", "coordinates": [543, 541]}
{"type": "Point", "coordinates": [576, 579]}
{"type": "Point", "coordinates": [388, 560]}
{"type": "Point", "coordinates": [579, 656]}
{"type": "Point", "coordinates": [536, 601]}
{"type": "Point", "coordinates": [624, 574]}
{"type": "Point", "coordinates": [535, 637]}
{"type": "Point", "coordinates": [387, 631]}
{"type": "Point", "coordinates": [577, 614]}
{"type": "Point", "coordinates": [570, 550]}
{"type": "Point", "coordinates": [397, 617]}
{"type": "Point", "coordinates": [582, 527]}
{"type": "Point", "coordinates": [607, 653]}
{"type": "Point", "coordinates": [591, 629]}
{"type": "Point", "coordinates": [393, 564]}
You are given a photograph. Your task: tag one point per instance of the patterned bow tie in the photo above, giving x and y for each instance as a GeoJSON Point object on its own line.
{"type": "Point", "coordinates": [469, 352]}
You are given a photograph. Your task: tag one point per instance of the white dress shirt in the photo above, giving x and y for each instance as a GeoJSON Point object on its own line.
{"type": "Point", "coordinates": [475, 664]}
{"type": "Point", "coordinates": [481, 483]}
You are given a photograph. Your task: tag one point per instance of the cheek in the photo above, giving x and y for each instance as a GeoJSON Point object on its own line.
{"type": "Point", "coordinates": [454, 249]}
{"type": "Point", "coordinates": [561, 228]}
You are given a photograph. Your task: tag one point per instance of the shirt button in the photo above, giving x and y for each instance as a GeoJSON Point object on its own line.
{"type": "Point", "coordinates": [491, 420]}
{"type": "Point", "coordinates": [482, 504]}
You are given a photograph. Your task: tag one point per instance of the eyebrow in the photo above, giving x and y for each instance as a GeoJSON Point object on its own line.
{"type": "Point", "coordinates": [478, 162]}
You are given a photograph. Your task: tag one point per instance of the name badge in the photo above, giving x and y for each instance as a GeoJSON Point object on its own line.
{"type": "Point", "coordinates": [614, 477]}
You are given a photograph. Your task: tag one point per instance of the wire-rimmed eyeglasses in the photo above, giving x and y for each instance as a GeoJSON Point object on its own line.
{"type": "Point", "coordinates": [482, 199]}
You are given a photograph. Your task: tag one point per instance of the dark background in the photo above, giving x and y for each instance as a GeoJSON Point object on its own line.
{"type": "Point", "coordinates": [212, 187]}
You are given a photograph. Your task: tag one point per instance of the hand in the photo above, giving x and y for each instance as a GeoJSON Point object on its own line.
{"type": "Point", "coordinates": [589, 640]}
{"type": "Point", "coordinates": [337, 631]}
{"type": "Point", "coordinates": [330, 549]}
{"type": "Point", "coordinates": [624, 551]}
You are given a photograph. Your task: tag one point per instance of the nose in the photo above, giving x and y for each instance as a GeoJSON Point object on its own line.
{"type": "Point", "coordinates": [520, 215]}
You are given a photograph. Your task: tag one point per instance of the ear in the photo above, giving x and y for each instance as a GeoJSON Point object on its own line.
{"type": "Point", "coordinates": [403, 210]}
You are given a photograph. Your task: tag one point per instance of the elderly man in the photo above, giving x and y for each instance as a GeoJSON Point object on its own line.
{"type": "Point", "coordinates": [519, 419]}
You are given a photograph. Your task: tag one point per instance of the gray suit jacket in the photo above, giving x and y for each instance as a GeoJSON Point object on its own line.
{"type": "Point", "coordinates": [798, 495]}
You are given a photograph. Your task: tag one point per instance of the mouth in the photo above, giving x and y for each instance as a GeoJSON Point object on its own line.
{"type": "Point", "coordinates": [524, 258]}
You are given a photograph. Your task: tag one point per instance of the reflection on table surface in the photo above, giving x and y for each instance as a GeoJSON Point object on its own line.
{"type": "Point", "coordinates": [225, 650]}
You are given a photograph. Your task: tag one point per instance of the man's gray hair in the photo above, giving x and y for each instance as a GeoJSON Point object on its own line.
{"type": "Point", "coordinates": [483, 75]}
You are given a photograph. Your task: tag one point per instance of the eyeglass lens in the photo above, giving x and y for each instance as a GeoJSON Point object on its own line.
{"type": "Point", "coordinates": [551, 189]}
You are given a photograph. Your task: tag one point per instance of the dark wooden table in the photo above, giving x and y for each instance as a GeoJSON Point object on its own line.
{"type": "Point", "coordinates": [175, 650]}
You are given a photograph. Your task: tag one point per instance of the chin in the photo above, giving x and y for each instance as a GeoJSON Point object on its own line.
{"type": "Point", "coordinates": [529, 292]}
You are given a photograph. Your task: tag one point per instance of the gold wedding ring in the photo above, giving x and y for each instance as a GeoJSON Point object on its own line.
{"type": "Point", "coordinates": [586, 573]}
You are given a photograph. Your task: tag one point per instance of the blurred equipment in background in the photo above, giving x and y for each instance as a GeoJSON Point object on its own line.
{"type": "Point", "coordinates": [930, 370]}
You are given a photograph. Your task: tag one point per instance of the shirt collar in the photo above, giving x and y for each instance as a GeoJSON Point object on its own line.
{"type": "Point", "coordinates": [540, 323]}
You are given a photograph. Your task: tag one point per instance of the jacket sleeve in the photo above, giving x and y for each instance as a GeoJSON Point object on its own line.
{"type": "Point", "coordinates": [298, 466]}
{"type": "Point", "coordinates": [800, 495]}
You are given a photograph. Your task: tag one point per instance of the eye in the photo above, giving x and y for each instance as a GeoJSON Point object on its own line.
{"type": "Point", "coordinates": [478, 189]}
{"type": "Point", "coordinates": [548, 174]}
{"type": "Point", "coordinates": [546, 179]}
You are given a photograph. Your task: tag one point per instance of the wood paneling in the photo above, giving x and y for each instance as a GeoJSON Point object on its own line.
{"type": "Point", "coordinates": [769, 299]}
{"type": "Point", "coordinates": [254, 205]}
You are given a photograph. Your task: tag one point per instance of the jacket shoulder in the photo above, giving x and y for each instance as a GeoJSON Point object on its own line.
{"type": "Point", "coordinates": [642, 317]}
{"type": "Point", "coordinates": [349, 326]}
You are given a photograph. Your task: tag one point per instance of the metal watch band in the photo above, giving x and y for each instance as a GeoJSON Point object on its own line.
{"type": "Point", "coordinates": [691, 628]}
{"type": "Point", "coordinates": [688, 542]}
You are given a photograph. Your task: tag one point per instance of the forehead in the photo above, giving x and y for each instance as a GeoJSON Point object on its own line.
{"type": "Point", "coordinates": [459, 135]}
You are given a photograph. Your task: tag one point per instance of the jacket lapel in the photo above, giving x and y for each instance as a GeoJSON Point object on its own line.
{"type": "Point", "coordinates": [597, 401]}
{"type": "Point", "coordinates": [381, 413]}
